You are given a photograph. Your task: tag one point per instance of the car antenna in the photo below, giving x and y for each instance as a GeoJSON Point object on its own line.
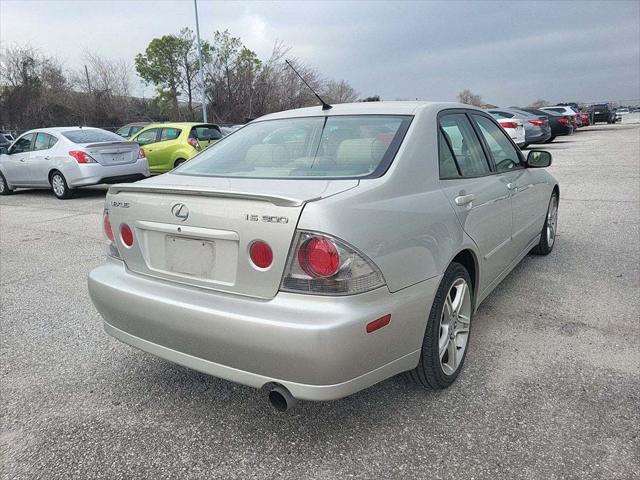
{"type": "Point", "coordinates": [325, 105]}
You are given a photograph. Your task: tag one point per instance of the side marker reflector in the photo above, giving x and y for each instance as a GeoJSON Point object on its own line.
{"type": "Point", "coordinates": [379, 323]}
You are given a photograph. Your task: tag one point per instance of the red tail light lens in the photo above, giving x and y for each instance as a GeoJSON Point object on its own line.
{"type": "Point", "coordinates": [106, 225]}
{"type": "Point", "coordinates": [261, 254]}
{"type": "Point", "coordinates": [509, 125]}
{"type": "Point", "coordinates": [319, 257]}
{"type": "Point", "coordinates": [126, 234]}
{"type": "Point", "coordinates": [564, 121]}
{"type": "Point", "coordinates": [320, 264]}
{"type": "Point", "coordinates": [194, 143]}
{"type": "Point", "coordinates": [82, 157]}
{"type": "Point", "coordinates": [537, 123]}
{"type": "Point", "coordinates": [141, 153]}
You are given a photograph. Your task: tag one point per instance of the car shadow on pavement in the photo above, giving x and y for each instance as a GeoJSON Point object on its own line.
{"type": "Point", "coordinates": [98, 191]}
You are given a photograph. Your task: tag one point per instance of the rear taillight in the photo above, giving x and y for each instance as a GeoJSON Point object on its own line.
{"type": "Point", "coordinates": [126, 235]}
{"type": "Point", "coordinates": [106, 224]}
{"type": "Point", "coordinates": [112, 250]}
{"type": "Point", "coordinates": [509, 125]}
{"type": "Point", "coordinates": [564, 121]}
{"type": "Point", "coordinates": [537, 123]}
{"type": "Point", "coordinates": [194, 143]}
{"type": "Point", "coordinates": [82, 157]}
{"type": "Point", "coordinates": [141, 154]}
{"type": "Point", "coordinates": [323, 265]}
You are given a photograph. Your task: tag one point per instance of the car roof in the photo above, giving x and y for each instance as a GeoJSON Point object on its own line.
{"type": "Point", "coordinates": [177, 124]}
{"type": "Point", "coordinates": [366, 108]}
{"type": "Point", "coordinates": [61, 129]}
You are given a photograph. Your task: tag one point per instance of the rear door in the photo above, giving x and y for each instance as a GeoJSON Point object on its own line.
{"type": "Point", "coordinates": [148, 141]}
{"type": "Point", "coordinates": [479, 197]}
{"type": "Point", "coordinates": [40, 158]}
{"type": "Point", "coordinates": [16, 164]}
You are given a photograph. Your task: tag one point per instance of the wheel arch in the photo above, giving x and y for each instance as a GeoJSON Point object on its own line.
{"type": "Point", "coordinates": [469, 260]}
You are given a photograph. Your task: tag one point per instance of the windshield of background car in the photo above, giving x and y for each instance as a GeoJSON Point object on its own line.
{"type": "Point", "coordinates": [318, 147]}
{"type": "Point", "coordinates": [91, 136]}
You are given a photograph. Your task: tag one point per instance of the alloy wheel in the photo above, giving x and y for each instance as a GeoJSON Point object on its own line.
{"type": "Point", "coordinates": [57, 183]}
{"type": "Point", "coordinates": [454, 326]}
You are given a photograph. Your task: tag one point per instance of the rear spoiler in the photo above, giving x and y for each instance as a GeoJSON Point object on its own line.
{"type": "Point", "coordinates": [278, 200]}
{"type": "Point", "coordinates": [111, 144]}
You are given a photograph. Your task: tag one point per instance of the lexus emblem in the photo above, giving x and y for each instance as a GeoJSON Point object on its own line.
{"type": "Point", "coordinates": [180, 211]}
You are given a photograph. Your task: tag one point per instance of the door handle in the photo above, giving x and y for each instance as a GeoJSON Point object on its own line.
{"type": "Point", "coordinates": [47, 158]}
{"type": "Point", "coordinates": [22, 159]}
{"type": "Point", "coordinates": [464, 199]}
{"type": "Point", "coordinates": [512, 186]}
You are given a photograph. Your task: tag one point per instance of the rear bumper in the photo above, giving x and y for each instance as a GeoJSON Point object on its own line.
{"type": "Point", "coordinates": [315, 346]}
{"type": "Point", "coordinates": [94, 173]}
{"type": "Point", "coordinates": [559, 130]}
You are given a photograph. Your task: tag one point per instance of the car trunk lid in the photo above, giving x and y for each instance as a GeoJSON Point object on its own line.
{"type": "Point", "coordinates": [113, 153]}
{"type": "Point", "coordinates": [198, 230]}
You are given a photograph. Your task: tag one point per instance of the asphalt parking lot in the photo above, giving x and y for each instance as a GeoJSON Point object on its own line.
{"type": "Point", "coordinates": [550, 389]}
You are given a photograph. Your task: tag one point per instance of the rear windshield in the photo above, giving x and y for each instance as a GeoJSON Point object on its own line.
{"type": "Point", "coordinates": [318, 147]}
{"type": "Point", "coordinates": [91, 136]}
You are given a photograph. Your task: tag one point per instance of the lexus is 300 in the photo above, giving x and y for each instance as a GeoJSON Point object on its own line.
{"type": "Point", "coordinates": [316, 252]}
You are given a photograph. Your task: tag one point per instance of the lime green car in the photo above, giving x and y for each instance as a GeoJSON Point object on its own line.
{"type": "Point", "coordinates": [167, 145]}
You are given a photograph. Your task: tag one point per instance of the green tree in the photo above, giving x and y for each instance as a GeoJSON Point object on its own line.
{"type": "Point", "coordinates": [160, 65]}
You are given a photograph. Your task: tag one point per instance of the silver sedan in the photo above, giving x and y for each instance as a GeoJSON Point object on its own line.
{"type": "Point", "coordinates": [65, 158]}
{"type": "Point", "coordinates": [316, 252]}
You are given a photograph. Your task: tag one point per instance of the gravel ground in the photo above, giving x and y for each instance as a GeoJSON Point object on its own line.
{"type": "Point", "coordinates": [550, 389]}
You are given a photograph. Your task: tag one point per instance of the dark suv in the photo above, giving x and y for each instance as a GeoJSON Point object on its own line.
{"type": "Point", "coordinates": [602, 112]}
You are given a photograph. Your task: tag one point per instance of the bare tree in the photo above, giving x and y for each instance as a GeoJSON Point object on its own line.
{"type": "Point", "coordinates": [470, 98]}
{"type": "Point", "coordinates": [539, 103]}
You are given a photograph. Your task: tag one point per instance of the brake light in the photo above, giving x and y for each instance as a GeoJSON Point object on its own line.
{"type": "Point", "coordinates": [194, 143]}
{"type": "Point", "coordinates": [141, 154]}
{"type": "Point", "coordinates": [319, 257]}
{"type": "Point", "coordinates": [261, 254]}
{"type": "Point", "coordinates": [537, 123]}
{"type": "Point", "coordinates": [323, 265]}
{"type": "Point", "coordinates": [82, 157]}
{"type": "Point", "coordinates": [564, 121]}
{"type": "Point", "coordinates": [509, 125]}
{"type": "Point", "coordinates": [126, 234]}
{"type": "Point", "coordinates": [106, 224]}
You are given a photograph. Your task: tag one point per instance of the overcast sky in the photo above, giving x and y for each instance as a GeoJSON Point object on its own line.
{"type": "Point", "coordinates": [509, 52]}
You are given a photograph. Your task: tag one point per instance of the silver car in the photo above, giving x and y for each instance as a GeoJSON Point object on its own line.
{"type": "Point", "coordinates": [65, 158]}
{"type": "Point", "coordinates": [314, 253]}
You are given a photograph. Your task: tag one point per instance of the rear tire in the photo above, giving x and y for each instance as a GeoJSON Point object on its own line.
{"type": "Point", "coordinates": [549, 229]}
{"type": "Point", "coordinates": [59, 186]}
{"type": "Point", "coordinates": [551, 139]}
{"type": "Point", "coordinates": [179, 161]}
{"type": "Point", "coordinates": [4, 186]}
{"type": "Point", "coordinates": [446, 337]}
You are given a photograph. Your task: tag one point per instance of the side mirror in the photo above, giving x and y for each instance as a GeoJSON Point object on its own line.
{"type": "Point", "coordinates": [4, 151]}
{"type": "Point", "coordinates": [538, 159]}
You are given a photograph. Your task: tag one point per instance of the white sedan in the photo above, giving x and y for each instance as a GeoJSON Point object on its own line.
{"type": "Point", "coordinates": [514, 128]}
{"type": "Point", "coordinates": [65, 158]}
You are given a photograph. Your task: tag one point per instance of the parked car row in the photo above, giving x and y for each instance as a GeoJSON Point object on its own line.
{"type": "Point", "coordinates": [66, 158]}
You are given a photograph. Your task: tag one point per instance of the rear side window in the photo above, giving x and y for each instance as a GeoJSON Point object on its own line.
{"type": "Point", "coordinates": [42, 141]}
{"type": "Point", "coordinates": [169, 134]}
{"type": "Point", "coordinates": [23, 144]}
{"type": "Point", "coordinates": [500, 114]}
{"type": "Point", "coordinates": [559, 110]}
{"type": "Point", "coordinates": [147, 137]}
{"type": "Point", "coordinates": [93, 135]}
{"type": "Point", "coordinates": [448, 168]}
{"type": "Point", "coordinates": [465, 145]}
{"type": "Point", "coordinates": [504, 153]}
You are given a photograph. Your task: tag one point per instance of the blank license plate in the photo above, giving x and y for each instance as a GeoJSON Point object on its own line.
{"type": "Point", "coordinates": [190, 256]}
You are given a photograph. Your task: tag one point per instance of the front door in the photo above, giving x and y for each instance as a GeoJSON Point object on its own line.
{"type": "Point", "coordinates": [481, 201]}
{"type": "Point", "coordinates": [16, 165]}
